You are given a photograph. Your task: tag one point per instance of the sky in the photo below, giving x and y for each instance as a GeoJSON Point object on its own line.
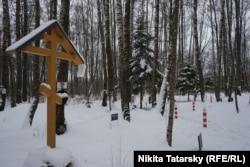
{"type": "Point", "coordinates": [93, 140]}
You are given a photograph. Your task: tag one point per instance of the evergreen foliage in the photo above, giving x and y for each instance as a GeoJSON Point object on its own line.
{"type": "Point", "coordinates": [186, 82]}
{"type": "Point", "coordinates": [141, 62]}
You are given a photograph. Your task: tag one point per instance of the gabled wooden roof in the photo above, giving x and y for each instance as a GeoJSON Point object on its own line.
{"type": "Point", "coordinates": [68, 50]}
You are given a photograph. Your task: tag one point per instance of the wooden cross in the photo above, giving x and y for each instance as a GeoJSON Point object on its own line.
{"type": "Point", "coordinates": [58, 46]}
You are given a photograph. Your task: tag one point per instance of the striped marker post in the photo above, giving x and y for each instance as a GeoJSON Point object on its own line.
{"type": "Point", "coordinates": [193, 106]}
{"type": "Point", "coordinates": [204, 118]}
{"type": "Point", "coordinates": [175, 112]}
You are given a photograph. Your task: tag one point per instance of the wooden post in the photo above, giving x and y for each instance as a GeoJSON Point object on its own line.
{"type": "Point", "coordinates": [51, 103]}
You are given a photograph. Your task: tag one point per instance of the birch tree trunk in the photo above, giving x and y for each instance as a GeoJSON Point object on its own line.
{"type": "Point", "coordinates": [25, 58]}
{"type": "Point", "coordinates": [53, 9]}
{"type": "Point", "coordinates": [62, 75]}
{"type": "Point", "coordinates": [36, 69]}
{"type": "Point", "coordinates": [105, 77]}
{"type": "Point", "coordinates": [237, 50]}
{"type": "Point", "coordinates": [114, 53]}
{"type": "Point", "coordinates": [198, 53]}
{"type": "Point", "coordinates": [174, 20]}
{"type": "Point", "coordinates": [108, 52]}
{"type": "Point", "coordinates": [224, 47]}
{"type": "Point", "coordinates": [231, 74]}
{"type": "Point", "coordinates": [10, 61]}
{"type": "Point", "coordinates": [18, 54]}
{"type": "Point", "coordinates": [156, 54]}
{"type": "Point", "coordinates": [126, 56]}
{"type": "Point", "coordinates": [6, 42]}
{"type": "Point", "coordinates": [217, 63]}
{"type": "Point", "coordinates": [120, 48]}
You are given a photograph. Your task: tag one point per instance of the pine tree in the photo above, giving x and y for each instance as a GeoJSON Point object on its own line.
{"type": "Point", "coordinates": [187, 80]}
{"type": "Point", "coordinates": [141, 62]}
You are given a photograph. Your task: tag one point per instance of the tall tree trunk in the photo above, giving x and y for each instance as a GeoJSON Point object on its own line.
{"type": "Point", "coordinates": [18, 54]}
{"type": "Point", "coordinates": [36, 69]}
{"type": "Point", "coordinates": [108, 52]}
{"type": "Point", "coordinates": [62, 75]}
{"type": "Point", "coordinates": [217, 63]}
{"type": "Point", "coordinates": [120, 48]}
{"type": "Point", "coordinates": [6, 42]}
{"type": "Point", "coordinates": [105, 81]}
{"type": "Point", "coordinates": [224, 47]}
{"type": "Point", "coordinates": [131, 22]}
{"type": "Point", "coordinates": [244, 53]}
{"type": "Point", "coordinates": [174, 20]}
{"type": "Point", "coordinates": [166, 31]}
{"type": "Point", "coordinates": [156, 54]}
{"type": "Point", "coordinates": [231, 74]}
{"type": "Point", "coordinates": [10, 61]}
{"type": "Point", "coordinates": [164, 93]}
{"type": "Point", "coordinates": [126, 56]}
{"type": "Point", "coordinates": [180, 62]}
{"type": "Point", "coordinates": [53, 9]}
{"type": "Point", "coordinates": [25, 57]}
{"type": "Point", "coordinates": [198, 53]}
{"type": "Point", "coordinates": [114, 52]}
{"type": "Point", "coordinates": [237, 50]}
{"type": "Point", "coordinates": [213, 39]}
{"type": "Point", "coordinates": [91, 65]}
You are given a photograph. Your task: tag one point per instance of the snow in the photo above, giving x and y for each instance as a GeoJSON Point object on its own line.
{"type": "Point", "coordinates": [45, 156]}
{"type": "Point", "coordinates": [63, 95]}
{"type": "Point", "coordinates": [93, 140]}
{"type": "Point", "coordinates": [46, 85]}
{"type": "Point", "coordinates": [31, 35]}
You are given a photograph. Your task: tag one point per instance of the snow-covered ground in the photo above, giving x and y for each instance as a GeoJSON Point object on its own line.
{"type": "Point", "coordinates": [93, 140]}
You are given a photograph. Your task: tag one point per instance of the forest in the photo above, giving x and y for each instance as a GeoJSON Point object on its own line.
{"type": "Point", "coordinates": [132, 47]}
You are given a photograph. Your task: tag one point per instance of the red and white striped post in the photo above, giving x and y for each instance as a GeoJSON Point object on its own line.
{"type": "Point", "coordinates": [204, 117]}
{"type": "Point", "coordinates": [193, 106]}
{"type": "Point", "coordinates": [175, 112]}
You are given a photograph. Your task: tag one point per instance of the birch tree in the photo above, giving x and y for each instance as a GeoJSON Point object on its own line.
{"type": "Point", "coordinates": [198, 53]}
{"type": "Point", "coordinates": [237, 50]}
{"type": "Point", "coordinates": [105, 77]}
{"type": "Point", "coordinates": [9, 74]}
{"type": "Point", "coordinates": [53, 9]}
{"type": "Point", "coordinates": [62, 75]}
{"type": "Point", "coordinates": [119, 23]}
{"type": "Point", "coordinates": [174, 20]}
{"type": "Point", "coordinates": [18, 53]}
{"type": "Point", "coordinates": [24, 55]}
{"type": "Point", "coordinates": [230, 63]}
{"type": "Point", "coordinates": [108, 52]}
{"type": "Point", "coordinates": [156, 54]}
{"type": "Point", "coordinates": [126, 56]}
{"type": "Point", "coordinates": [36, 68]}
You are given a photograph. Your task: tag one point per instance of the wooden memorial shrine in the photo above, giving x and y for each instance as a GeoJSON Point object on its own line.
{"type": "Point", "coordinates": [57, 46]}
